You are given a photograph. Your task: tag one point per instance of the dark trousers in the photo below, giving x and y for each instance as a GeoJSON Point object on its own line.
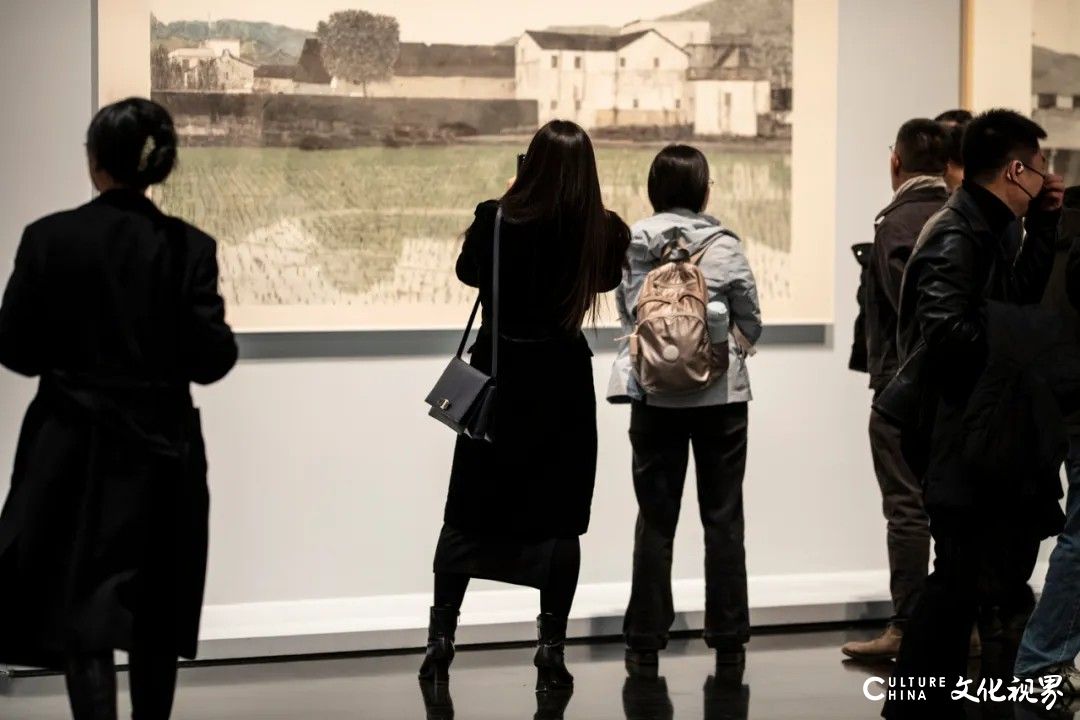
{"type": "Point", "coordinates": [908, 527]}
{"type": "Point", "coordinates": [981, 572]}
{"type": "Point", "coordinates": [661, 439]}
{"type": "Point", "coordinates": [91, 683]}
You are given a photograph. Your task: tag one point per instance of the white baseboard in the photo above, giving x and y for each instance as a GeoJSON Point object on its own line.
{"type": "Point", "coordinates": [391, 622]}
{"type": "Point", "coordinates": [399, 622]}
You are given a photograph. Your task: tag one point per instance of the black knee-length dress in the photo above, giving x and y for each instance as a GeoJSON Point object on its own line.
{"type": "Point", "coordinates": [509, 500]}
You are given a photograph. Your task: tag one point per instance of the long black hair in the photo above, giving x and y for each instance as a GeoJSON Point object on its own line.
{"type": "Point", "coordinates": [558, 184]}
{"type": "Point", "coordinates": [134, 141]}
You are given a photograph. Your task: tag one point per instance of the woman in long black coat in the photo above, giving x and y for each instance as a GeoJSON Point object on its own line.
{"type": "Point", "coordinates": [516, 506]}
{"type": "Point", "coordinates": [115, 307]}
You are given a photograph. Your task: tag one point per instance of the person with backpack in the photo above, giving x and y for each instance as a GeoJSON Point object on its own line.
{"type": "Point", "coordinates": [689, 309]}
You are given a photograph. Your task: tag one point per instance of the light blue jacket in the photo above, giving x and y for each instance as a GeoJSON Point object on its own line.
{"type": "Point", "coordinates": [729, 280]}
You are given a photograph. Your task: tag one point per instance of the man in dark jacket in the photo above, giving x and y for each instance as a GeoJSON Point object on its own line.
{"type": "Point", "coordinates": [918, 160]}
{"type": "Point", "coordinates": [959, 265]}
{"type": "Point", "coordinates": [1051, 641]}
{"type": "Point", "coordinates": [954, 122]}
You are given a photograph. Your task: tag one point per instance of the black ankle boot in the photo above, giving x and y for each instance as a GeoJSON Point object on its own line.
{"type": "Point", "coordinates": [551, 672]}
{"type": "Point", "coordinates": [440, 646]}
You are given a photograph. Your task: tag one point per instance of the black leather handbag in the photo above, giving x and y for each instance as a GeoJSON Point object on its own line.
{"type": "Point", "coordinates": [464, 398]}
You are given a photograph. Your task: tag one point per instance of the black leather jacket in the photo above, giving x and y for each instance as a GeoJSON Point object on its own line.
{"type": "Point", "coordinates": [960, 262]}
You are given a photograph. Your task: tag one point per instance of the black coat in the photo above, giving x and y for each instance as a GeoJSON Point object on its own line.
{"type": "Point", "coordinates": [897, 227]}
{"type": "Point", "coordinates": [1062, 295]}
{"type": "Point", "coordinates": [535, 481]}
{"type": "Point", "coordinates": [115, 307]}
{"type": "Point", "coordinates": [1014, 436]}
{"type": "Point", "coordinates": [859, 362]}
{"type": "Point", "coordinates": [960, 264]}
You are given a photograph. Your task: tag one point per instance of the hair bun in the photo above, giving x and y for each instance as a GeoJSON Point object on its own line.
{"type": "Point", "coordinates": [134, 141]}
{"type": "Point", "coordinates": [157, 160]}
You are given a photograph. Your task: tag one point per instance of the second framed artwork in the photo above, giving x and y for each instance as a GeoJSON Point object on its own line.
{"type": "Point", "coordinates": [1025, 55]}
{"type": "Point", "coordinates": [337, 154]}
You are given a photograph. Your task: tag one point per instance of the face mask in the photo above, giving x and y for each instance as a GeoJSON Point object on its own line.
{"type": "Point", "coordinates": [1031, 198]}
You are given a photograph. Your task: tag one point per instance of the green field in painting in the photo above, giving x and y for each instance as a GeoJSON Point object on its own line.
{"type": "Point", "coordinates": [356, 209]}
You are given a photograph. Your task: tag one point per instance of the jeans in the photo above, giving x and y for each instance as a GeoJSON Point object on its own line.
{"type": "Point", "coordinates": [908, 534]}
{"type": "Point", "coordinates": [661, 440]}
{"type": "Point", "coordinates": [1052, 636]}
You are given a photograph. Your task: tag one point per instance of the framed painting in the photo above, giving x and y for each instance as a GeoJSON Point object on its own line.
{"type": "Point", "coordinates": [1025, 55]}
{"type": "Point", "coordinates": [337, 154]}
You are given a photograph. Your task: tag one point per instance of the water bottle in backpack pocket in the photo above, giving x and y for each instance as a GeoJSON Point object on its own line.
{"type": "Point", "coordinates": [719, 322]}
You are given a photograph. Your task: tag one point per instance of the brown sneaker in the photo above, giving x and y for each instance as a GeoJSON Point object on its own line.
{"type": "Point", "coordinates": [884, 647]}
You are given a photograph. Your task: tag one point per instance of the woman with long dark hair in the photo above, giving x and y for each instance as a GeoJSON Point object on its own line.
{"type": "Point", "coordinates": [517, 506]}
{"type": "Point", "coordinates": [115, 307]}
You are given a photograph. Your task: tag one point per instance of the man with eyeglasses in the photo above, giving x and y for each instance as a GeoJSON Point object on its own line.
{"type": "Point", "coordinates": [960, 264]}
{"type": "Point", "coordinates": [916, 165]}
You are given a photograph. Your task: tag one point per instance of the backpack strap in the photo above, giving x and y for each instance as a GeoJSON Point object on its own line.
{"type": "Point", "coordinates": [696, 257]}
{"type": "Point", "coordinates": [680, 243]}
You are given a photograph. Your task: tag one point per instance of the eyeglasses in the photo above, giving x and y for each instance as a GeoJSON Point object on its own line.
{"type": "Point", "coordinates": [1044, 176]}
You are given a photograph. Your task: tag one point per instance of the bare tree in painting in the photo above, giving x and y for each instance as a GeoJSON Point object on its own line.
{"type": "Point", "coordinates": [206, 76]}
{"type": "Point", "coordinates": [165, 73]}
{"type": "Point", "coordinates": [359, 46]}
{"type": "Point", "coordinates": [773, 53]}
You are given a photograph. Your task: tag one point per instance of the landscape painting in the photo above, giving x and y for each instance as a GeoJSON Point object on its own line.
{"type": "Point", "coordinates": [1056, 82]}
{"type": "Point", "coordinates": [337, 148]}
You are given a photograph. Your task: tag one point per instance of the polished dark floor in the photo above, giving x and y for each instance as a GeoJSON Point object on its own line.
{"type": "Point", "coordinates": [790, 675]}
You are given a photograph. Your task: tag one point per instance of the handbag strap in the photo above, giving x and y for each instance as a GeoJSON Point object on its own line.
{"type": "Point", "coordinates": [495, 296]}
{"type": "Point", "coordinates": [494, 303]}
{"type": "Point", "coordinates": [468, 327]}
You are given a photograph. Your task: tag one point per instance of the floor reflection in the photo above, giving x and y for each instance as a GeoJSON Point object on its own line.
{"type": "Point", "coordinates": [794, 676]}
{"type": "Point", "coordinates": [645, 695]}
{"type": "Point", "coordinates": [727, 697]}
{"type": "Point", "coordinates": [438, 705]}
{"type": "Point", "coordinates": [552, 705]}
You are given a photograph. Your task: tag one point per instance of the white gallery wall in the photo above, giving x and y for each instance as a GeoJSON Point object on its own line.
{"type": "Point", "coordinates": [327, 477]}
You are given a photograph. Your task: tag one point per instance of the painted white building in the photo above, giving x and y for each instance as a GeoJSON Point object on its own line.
{"type": "Point", "coordinates": [681, 32]}
{"type": "Point", "coordinates": [234, 74]}
{"type": "Point", "coordinates": [728, 96]}
{"type": "Point", "coordinates": [1056, 98]}
{"type": "Point", "coordinates": [189, 58]}
{"type": "Point", "coordinates": [729, 106]}
{"type": "Point", "coordinates": [598, 80]}
{"type": "Point", "coordinates": [223, 46]}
